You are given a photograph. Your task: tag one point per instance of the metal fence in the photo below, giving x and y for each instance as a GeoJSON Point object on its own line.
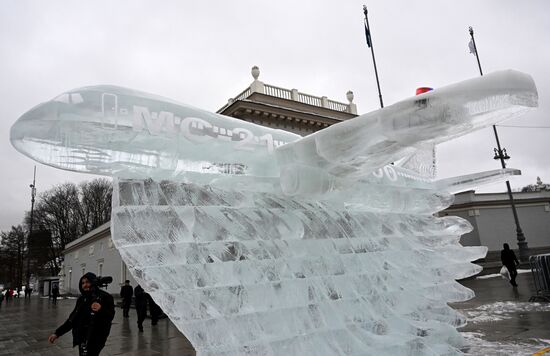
{"type": "Point", "coordinates": [540, 267]}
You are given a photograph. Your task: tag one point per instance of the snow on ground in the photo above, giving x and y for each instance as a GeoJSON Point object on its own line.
{"type": "Point", "coordinates": [478, 346]}
{"type": "Point", "coordinates": [501, 311]}
{"type": "Point", "coordinates": [499, 275]}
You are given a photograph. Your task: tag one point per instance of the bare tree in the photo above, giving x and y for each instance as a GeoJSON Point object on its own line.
{"type": "Point", "coordinates": [96, 202]}
{"type": "Point", "coordinates": [12, 254]}
{"type": "Point", "coordinates": [68, 211]}
{"type": "Point", "coordinates": [41, 252]}
{"type": "Point", "coordinates": [58, 210]}
{"type": "Point", "coordinates": [61, 215]}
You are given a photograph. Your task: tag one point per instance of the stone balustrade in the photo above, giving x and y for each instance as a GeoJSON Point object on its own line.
{"type": "Point", "coordinates": [294, 95]}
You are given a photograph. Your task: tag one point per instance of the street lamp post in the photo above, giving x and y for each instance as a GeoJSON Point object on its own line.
{"type": "Point", "coordinates": [500, 154]}
{"type": "Point", "coordinates": [33, 194]}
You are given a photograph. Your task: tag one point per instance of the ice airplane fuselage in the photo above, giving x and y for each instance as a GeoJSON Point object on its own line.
{"type": "Point", "coordinates": [115, 131]}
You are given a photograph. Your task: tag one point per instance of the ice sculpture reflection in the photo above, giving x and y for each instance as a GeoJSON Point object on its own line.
{"type": "Point", "coordinates": [256, 241]}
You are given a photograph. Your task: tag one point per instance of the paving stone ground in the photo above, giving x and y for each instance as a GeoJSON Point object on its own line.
{"type": "Point", "coordinates": [26, 324]}
{"type": "Point", "coordinates": [502, 323]}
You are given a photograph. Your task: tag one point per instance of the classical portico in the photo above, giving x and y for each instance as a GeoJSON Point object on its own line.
{"type": "Point", "coordinates": [287, 109]}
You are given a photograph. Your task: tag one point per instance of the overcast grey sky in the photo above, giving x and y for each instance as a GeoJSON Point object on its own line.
{"type": "Point", "coordinates": [201, 53]}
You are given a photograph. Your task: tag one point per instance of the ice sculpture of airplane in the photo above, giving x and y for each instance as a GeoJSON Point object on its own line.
{"type": "Point", "coordinates": [257, 241]}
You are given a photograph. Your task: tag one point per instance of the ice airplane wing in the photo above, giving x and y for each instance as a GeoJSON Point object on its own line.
{"type": "Point", "coordinates": [256, 241]}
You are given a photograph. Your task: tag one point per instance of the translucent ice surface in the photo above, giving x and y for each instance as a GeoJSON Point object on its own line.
{"type": "Point", "coordinates": [256, 241]}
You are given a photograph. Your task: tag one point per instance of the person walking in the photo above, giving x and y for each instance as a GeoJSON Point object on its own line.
{"type": "Point", "coordinates": [90, 320]}
{"type": "Point", "coordinates": [510, 261]}
{"type": "Point", "coordinates": [126, 293]}
{"type": "Point", "coordinates": [141, 306]}
{"type": "Point", "coordinates": [55, 293]}
{"type": "Point", "coordinates": [154, 309]}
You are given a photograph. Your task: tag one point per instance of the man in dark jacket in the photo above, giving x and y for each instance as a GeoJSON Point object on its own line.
{"type": "Point", "coordinates": [126, 293]}
{"type": "Point", "coordinates": [91, 318]}
{"type": "Point", "coordinates": [154, 310]}
{"type": "Point", "coordinates": [509, 259]}
{"type": "Point", "coordinates": [141, 306]}
{"type": "Point", "coordinates": [55, 293]}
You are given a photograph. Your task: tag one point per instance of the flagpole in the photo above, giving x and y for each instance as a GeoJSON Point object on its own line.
{"type": "Point", "coordinates": [475, 52]}
{"type": "Point", "coordinates": [33, 194]}
{"type": "Point", "coordinates": [369, 43]}
{"type": "Point", "coordinates": [500, 154]}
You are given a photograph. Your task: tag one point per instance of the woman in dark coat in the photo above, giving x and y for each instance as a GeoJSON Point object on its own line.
{"type": "Point", "coordinates": [509, 259]}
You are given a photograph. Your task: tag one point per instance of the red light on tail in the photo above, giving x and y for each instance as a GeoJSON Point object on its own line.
{"type": "Point", "coordinates": [423, 90]}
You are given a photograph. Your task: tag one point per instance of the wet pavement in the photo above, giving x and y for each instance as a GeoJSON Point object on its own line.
{"type": "Point", "coordinates": [502, 321]}
{"type": "Point", "coordinates": [25, 326]}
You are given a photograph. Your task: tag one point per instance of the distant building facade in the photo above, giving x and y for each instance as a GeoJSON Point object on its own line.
{"type": "Point", "coordinates": [93, 252]}
{"type": "Point", "coordinates": [491, 216]}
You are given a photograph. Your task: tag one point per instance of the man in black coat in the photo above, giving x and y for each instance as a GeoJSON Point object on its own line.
{"type": "Point", "coordinates": [154, 310]}
{"type": "Point", "coordinates": [91, 318]}
{"type": "Point", "coordinates": [141, 306]}
{"type": "Point", "coordinates": [126, 293]}
{"type": "Point", "coordinates": [55, 293]}
{"type": "Point", "coordinates": [509, 259]}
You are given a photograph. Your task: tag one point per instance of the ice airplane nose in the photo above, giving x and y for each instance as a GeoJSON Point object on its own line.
{"type": "Point", "coordinates": [35, 131]}
{"type": "Point", "coordinates": [60, 132]}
